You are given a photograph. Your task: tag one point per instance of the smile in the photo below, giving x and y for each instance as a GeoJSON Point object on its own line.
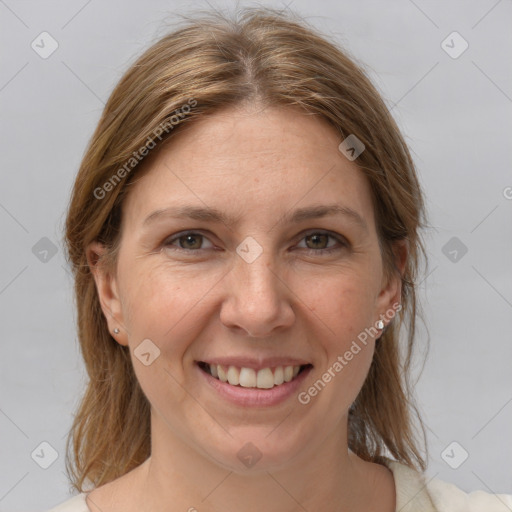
{"type": "Point", "coordinates": [265, 378]}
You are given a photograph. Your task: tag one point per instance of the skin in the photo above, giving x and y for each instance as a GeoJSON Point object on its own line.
{"type": "Point", "coordinates": [258, 164]}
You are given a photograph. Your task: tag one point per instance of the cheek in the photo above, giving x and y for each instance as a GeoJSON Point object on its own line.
{"type": "Point", "coordinates": [344, 306]}
{"type": "Point", "coordinates": [164, 305]}
{"type": "Point", "coordinates": [344, 302]}
{"type": "Point", "coordinates": [161, 303]}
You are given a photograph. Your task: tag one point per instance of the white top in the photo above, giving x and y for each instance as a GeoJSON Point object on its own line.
{"type": "Point", "coordinates": [414, 493]}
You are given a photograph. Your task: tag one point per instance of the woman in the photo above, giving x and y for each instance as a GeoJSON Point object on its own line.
{"type": "Point", "coordinates": [244, 233]}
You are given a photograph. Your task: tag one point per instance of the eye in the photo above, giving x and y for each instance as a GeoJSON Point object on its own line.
{"type": "Point", "coordinates": [317, 242]}
{"type": "Point", "coordinates": [187, 241]}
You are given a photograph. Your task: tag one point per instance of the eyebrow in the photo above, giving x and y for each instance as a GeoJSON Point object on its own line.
{"type": "Point", "coordinates": [207, 214]}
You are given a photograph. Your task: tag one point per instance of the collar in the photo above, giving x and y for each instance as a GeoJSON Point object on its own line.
{"type": "Point", "coordinates": [410, 488]}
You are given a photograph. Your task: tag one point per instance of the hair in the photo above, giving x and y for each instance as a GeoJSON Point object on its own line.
{"type": "Point", "coordinates": [263, 56]}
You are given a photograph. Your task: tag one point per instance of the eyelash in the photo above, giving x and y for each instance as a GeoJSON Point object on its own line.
{"type": "Point", "coordinates": [343, 243]}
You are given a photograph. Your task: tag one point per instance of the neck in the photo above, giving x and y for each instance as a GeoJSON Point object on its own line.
{"type": "Point", "coordinates": [324, 475]}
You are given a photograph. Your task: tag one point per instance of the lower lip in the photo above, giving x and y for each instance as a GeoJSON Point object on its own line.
{"type": "Point", "coordinates": [254, 397]}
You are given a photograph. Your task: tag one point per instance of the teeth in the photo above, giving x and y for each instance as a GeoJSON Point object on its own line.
{"type": "Point", "coordinates": [250, 378]}
{"type": "Point", "coordinates": [233, 376]}
{"type": "Point", "coordinates": [265, 379]}
{"type": "Point", "coordinates": [222, 374]}
{"type": "Point", "coordinates": [278, 376]}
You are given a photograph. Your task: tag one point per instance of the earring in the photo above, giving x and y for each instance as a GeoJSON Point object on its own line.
{"type": "Point", "coordinates": [380, 324]}
{"type": "Point", "coordinates": [116, 331]}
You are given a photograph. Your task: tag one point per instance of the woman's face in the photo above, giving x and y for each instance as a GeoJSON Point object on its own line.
{"type": "Point", "coordinates": [276, 283]}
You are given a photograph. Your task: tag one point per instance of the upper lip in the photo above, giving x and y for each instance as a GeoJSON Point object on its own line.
{"type": "Point", "coordinates": [255, 363]}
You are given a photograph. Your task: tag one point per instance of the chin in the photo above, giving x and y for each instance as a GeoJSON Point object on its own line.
{"type": "Point", "coordinates": [252, 450]}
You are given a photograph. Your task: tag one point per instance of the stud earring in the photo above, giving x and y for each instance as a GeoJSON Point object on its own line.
{"type": "Point", "coordinates": [116, 331]}
{"type": "Point", "coordinates": [380, 324]}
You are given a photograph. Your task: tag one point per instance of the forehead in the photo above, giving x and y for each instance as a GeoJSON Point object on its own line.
{"type": "Point", "coordinates": [248, 161]}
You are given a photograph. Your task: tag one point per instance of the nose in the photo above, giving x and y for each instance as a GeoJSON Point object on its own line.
{"type": "Point", "coordinates": [258, 298]}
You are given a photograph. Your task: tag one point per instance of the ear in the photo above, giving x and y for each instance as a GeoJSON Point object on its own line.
{"type": "Point", "coordinates": [108, 292]}
{"type": "Point", "coordinates": [391, 292]}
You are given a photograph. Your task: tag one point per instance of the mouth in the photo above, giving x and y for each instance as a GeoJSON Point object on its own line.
{"type": "Point", "coordinates": [243, 377]}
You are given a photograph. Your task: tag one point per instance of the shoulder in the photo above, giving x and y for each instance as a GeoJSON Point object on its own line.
{"type": "Point", "coordinates": [419, 493]}
{"type": "Point", "coordinates": [448, 497]}
{"type": "Point", "coordinates": [75, 504]}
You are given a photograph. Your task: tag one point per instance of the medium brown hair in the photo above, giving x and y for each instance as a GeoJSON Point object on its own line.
{"type": "Point", "coordinates": [274, 58]}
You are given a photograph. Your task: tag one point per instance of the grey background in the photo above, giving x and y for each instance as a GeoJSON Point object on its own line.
{"type": "Point", "coordinates": [456, 115]}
